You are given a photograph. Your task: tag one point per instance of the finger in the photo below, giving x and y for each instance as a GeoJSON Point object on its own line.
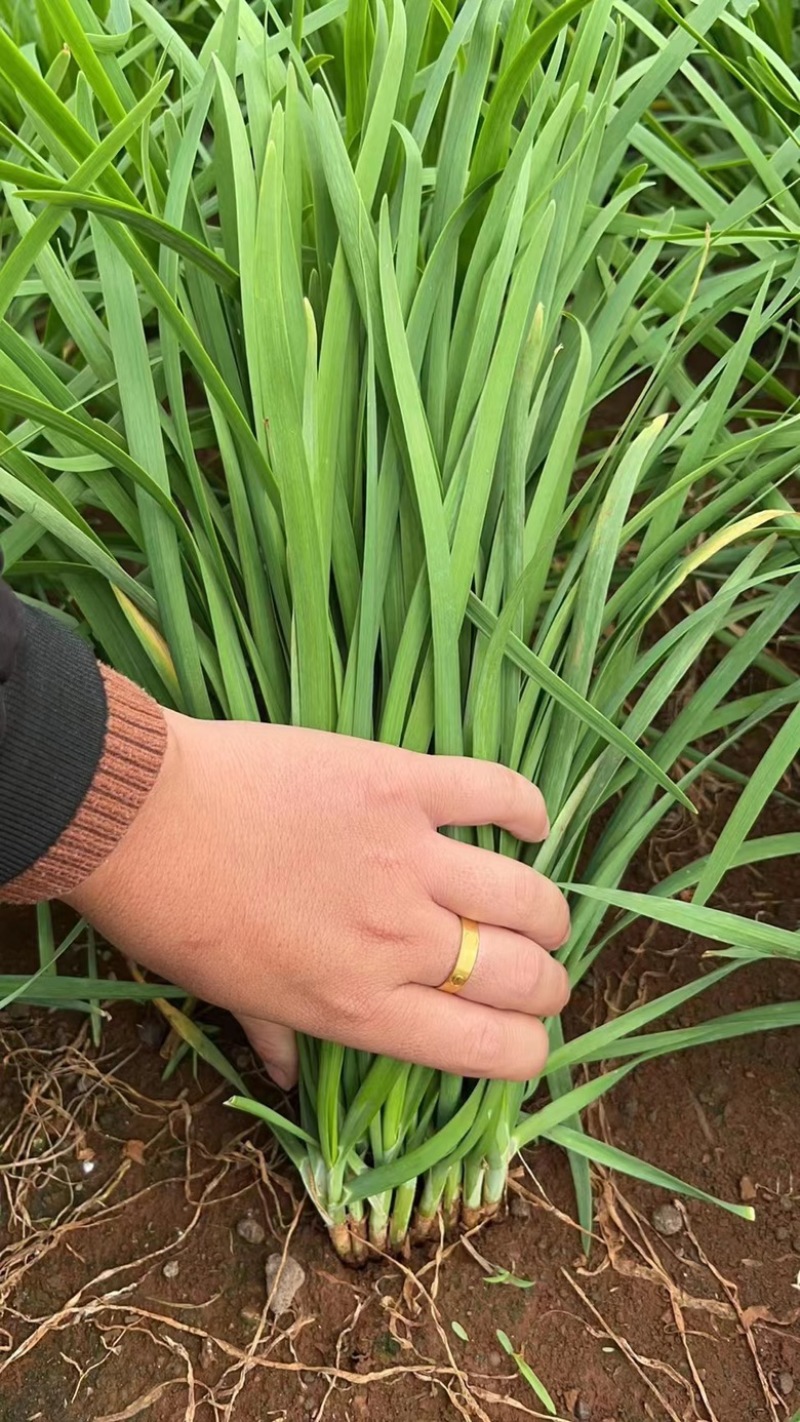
{"type": "Point", "coordinates": [511, 972]}
{"type": "Point", "coordinates": [491, 888]}
{"type": "Point", "coordinates": [458, 791]}
{"type": "Point", "coordinates": [432, 1029]}
{"type": "Point", "coordinates": [277, 1048]}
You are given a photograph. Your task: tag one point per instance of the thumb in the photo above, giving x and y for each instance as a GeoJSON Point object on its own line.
{"type": "Point", "coordinates": [276, 1046]}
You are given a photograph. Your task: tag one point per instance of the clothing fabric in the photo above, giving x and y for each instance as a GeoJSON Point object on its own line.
{"type": "Point", "coordinates": [80, 750]}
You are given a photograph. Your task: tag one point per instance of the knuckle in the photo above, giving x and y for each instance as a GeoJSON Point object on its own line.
{"type": "Point", "coordinates": [525, 891]}
{"type": "Point", "coordinates": [484, 1044]}
{"type": "Point", "coordinates": [375, 932]}
{"type": "Point", "coordinates": [355, 1012]}
{"type": "Point", "coordinates": [384, 860]}
{"type": "Point", "coordinates": [387, 782]}
{"type": "Point", "coordinates": [526, 975]}
{"type": "Point", "coordinates": [522, 795]}
{"type": "Point", "coordinates": [515, 786]}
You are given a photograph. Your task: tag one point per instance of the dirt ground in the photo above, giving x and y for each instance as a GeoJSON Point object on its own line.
{"type": "Point", "coordinates": [126, 1289]}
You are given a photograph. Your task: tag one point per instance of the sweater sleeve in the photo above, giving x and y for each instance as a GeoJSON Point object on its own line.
{"type": "Point", "coordinates": [80, 750]}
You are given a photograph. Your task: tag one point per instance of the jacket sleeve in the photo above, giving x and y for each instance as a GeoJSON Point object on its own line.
{"type": "Point", "coordinates": [80, 749]}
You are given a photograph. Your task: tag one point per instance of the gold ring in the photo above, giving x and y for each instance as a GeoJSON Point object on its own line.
{"type": "Point", "coordinates": [467, 957]}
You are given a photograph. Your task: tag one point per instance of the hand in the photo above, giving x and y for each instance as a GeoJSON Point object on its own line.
{"type": "Point", "coordinates": [297, 878]}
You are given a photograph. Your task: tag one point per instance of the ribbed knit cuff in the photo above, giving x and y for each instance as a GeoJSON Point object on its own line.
{"type": "Point", "coordinates": [133, 749]}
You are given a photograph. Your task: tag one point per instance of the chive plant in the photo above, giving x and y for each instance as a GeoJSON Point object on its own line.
{"type": "Point", "coordinates": [416, 371]}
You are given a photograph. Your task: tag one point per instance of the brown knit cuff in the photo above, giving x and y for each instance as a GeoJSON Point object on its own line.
{"type": "Point", "coordinates": [133, 749]}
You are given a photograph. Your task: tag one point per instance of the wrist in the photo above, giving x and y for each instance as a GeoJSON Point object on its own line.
{"type": "Point", "coordinates": [124, 769]}
{"type": "Point", "coordinates": [114, 875]}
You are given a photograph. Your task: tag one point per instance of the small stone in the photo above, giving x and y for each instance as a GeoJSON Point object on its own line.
{"type": "Point", "coordinates": [519, 1208]}
{"type": "Point", "coordinates": [285, 1277]}
{"type": "Point", "coordinates": [250, 1230]}
{"type": "Point", "coordinates": [151, 1033]}
{"type": "Point", "coordinates": [747, 1190]}
{"type": "Point", "coordinates": [786, 1203]}
{"type": "Point", "coordinates": [667, 1219]}
{"type": "Point", "coordinates": [782, 1233]}
{"type": "Point", "coordinates": [309, 1405]}
{"type": "Point", "coordinates": [786, 1383]}
{"type": "Point", "coordinates": [495, 1359]}
{"type": "Point", "coordinates": [171, 1269]}
{"type": "Point", "coordinates": [583, 1412]}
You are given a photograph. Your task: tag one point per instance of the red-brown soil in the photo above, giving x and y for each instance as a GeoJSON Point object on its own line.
{"type": "Point", "coordinates": [703, 1326]}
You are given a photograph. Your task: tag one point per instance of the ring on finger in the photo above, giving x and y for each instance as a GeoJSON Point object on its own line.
{"type": "Point", "coordinates": [468, 951]}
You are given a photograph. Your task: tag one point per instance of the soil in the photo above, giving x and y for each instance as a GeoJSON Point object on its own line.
{"type": "Point", "coordinates": [108, 1173]}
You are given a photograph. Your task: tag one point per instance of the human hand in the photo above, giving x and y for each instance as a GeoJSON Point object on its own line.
{"type": "Point", "coordinates": [297, 878]}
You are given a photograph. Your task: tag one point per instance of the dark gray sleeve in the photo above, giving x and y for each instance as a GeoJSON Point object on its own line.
{"type": "Point", "coordinates": [52, 725]}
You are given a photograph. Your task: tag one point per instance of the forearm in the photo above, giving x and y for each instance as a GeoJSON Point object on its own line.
{"type": "Point", "coordinates": [80, 749]}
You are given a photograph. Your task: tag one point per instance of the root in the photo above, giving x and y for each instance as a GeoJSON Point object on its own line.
{"type": "Point", "coordinates": [473, 1218]}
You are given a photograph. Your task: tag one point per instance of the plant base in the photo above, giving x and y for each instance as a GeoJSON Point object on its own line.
{"type": "Point", "coordinates": [355, 1241]}
{"type": "Point", "coordinates": [349, 1239]}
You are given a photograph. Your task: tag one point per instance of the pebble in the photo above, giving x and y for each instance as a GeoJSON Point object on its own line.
{"type": "Point", "coordinates": [250, 1230]}
{"type": "Point", "coordinates": [747, 1190]}
{"type": "Point", "coordinates": [519, 1208]}
{"type": "Point", "coordinates": [292, 1277]}
{"type": "Point", "coordinates": [495, 1359]}
{"type": "Point", "coordinates": [782, 1232]}
{"type": "Point", "coordinates": [667, 1219]}
{"type": "Point", "coordinates": [786, 1203]}
{"type": "Point", "coordinates": [151, 1033]}
{"type": "Point", "coordinates": [583, 1412]}
{"type": "Point", "coordinates": [309, 1404]}
{"type": "Point", "coordinates": [786, 1383]}
{"type": "Point", "coordinates": [171, 1269]}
